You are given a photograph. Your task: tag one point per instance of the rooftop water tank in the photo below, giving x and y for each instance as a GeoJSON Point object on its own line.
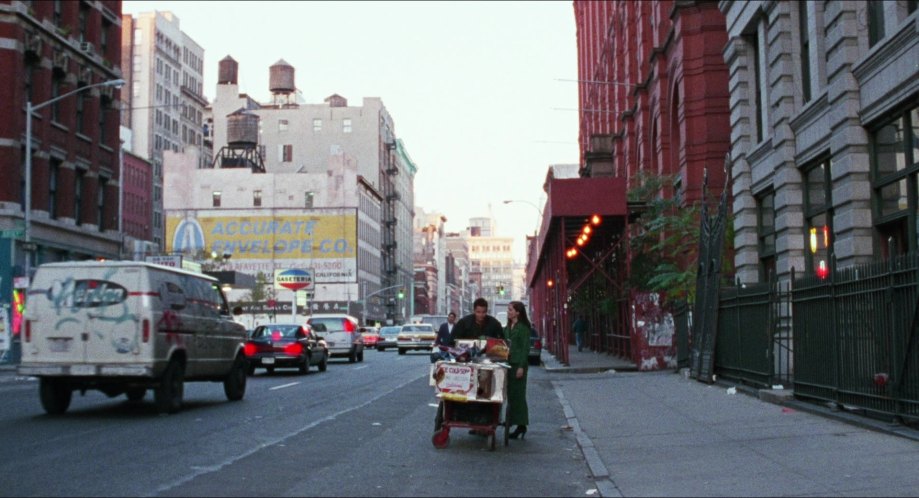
{"type": "Point", "coordinates": [281, 77]}
{"type": "Point", "coordinates": [227, 71]}
{"type": "Point", "coordinates": [242, 129]}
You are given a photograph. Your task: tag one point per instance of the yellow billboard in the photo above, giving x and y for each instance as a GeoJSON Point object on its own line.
{"type": "Point", "coordinates": [277, 237]}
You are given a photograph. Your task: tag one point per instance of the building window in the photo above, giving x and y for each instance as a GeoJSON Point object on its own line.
{"type": "Point", "coordinates": [757, 82]}
{"type": "Point", "coordinates": [55, 93]}
{"type": "Point", "coordinates": [100, 203]}
{"type": "Point", "coordinates": [875, 22]}
{"type": "Point", "coordinates": [895, 173]}
{"type": "Point", "coordinates": [81, 115]}
{"type": "Point", "coordinates": [818, 211]}
{"type": "Point", "coordinates": [215, 199]}
{"type": "Point", "coordinates": [82, 15]}
{"type": "Point", "coordinates": [257, 198]}
{"type": "Point", "coordinates": [285, 153]}
{"type": "Point", "coordinates": [805, 51]}
{"type": "Point", "coordinates": [282, 125]}
{"type": "Point", "coordinates": [308, 199]}
{"type": "Point", "coordinates": [27, 78]}
{"type": "Point", "coordinates": [346, 125]}
{"type": "Point", "coordinates": [103, 127]}
{"type": "Point", "coordinates": [58, 12]}
{"type": "Point", "coordinates": [78, 196]}
{"type": "Point", "coordinates": [317, 125]}
{"type": "Point", "coordinates": [53, 173]}
{"type": "Point", "coordinates": [765, 231]}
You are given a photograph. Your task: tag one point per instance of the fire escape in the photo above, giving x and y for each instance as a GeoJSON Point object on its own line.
{"type": "Point", "coordinates": [388, 220]}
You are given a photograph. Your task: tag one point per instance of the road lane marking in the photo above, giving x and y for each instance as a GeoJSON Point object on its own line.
{"type": "Point", "coordinates": [361, 368]}
{"type": "Point", "coordinates": [282, 386]}
{"type": "Point", "coordinates": [229, 461]}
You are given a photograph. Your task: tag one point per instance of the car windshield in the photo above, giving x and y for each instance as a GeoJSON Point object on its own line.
{"type": "Point", "coordinates": [276, 331]}
{"type": "Point", "coordinates": [390, 330]}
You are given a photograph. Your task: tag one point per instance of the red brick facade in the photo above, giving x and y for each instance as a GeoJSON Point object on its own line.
{"type": "Point", "coordinates": [138, 201]}
{"type": "Point", "coordinates": [653, 91]}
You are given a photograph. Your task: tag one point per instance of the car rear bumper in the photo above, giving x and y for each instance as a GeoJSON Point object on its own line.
{"type": "Point", "coordinates": [415, 344]}
{"type": "Point", "coordinates": [268, 360]}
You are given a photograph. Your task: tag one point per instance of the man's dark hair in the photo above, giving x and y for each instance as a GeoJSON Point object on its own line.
{"type": "Point", "coordinates": [480, 302]}
{"type": "Point", "coordinates": [451, 314]}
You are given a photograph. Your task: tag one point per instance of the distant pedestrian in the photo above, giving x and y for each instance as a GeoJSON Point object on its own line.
{"type": "Point", "coordinates": [446, 328]}
{"type": "Point", "coordinates": [580, 332]}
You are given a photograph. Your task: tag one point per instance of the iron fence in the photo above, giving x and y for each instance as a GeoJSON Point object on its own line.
{"type": "Point", "coordinates": [855, 337]}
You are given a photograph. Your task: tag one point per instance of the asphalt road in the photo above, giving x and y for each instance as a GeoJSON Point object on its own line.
{"type": "Point", "coordinates": [360, 429]}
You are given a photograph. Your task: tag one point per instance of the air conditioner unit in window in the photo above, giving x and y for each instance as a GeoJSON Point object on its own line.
{"type": "Point", "coordinates": [86, 48]}
{"type": "Point", "coordinates": [61, 60]}
{"type": "Point", "coordinates": [33, 43]}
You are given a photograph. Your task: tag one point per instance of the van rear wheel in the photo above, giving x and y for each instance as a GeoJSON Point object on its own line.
{"type": "Point", "coordinates": [55, 396]}
{"type": "Point", "coordinates": [234, 386]}
{"type": "Point", "coordinates": [168, 395]}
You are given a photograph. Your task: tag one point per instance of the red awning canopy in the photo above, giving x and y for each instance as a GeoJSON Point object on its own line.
{"type": "Point", "coordinates": [577, 199]}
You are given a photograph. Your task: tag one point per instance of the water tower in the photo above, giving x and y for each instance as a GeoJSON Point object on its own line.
{"type": "Point", "coordinates": [241, 150]}
{"type": "Point", "coordinates": [281, 84]}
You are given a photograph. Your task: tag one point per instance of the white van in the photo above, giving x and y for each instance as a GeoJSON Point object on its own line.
{"type": "Point", "coordinates": [341, 334]}
{"type": "Point", "coordinates": [123, 327]}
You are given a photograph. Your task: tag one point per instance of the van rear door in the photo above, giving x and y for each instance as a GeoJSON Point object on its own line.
{"type": "Point", "coordinates": [83, 315]}
{"type": "Point", "coordinates": [108, 303]}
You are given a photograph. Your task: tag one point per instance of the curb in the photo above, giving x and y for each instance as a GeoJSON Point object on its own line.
{"type": "Point", "coordinates": [605, 486]}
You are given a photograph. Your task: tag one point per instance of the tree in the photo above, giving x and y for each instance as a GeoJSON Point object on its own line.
{"type": "Point", "coordinates": [664, 240]}
{"type": "Point", "coordinates": [263, 290]}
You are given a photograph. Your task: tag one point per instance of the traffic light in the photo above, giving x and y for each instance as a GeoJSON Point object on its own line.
{"type": "Point", "coordinates": [501, 290]}
{"type": "Point", "coordinates": [401, 293]}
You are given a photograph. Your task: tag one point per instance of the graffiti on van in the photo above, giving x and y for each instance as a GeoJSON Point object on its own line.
{"type": "Point", "coordinates": [87, 293]}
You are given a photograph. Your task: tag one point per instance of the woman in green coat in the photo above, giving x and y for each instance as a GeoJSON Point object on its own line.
{"type": "Point", "coordinates": [518, 331]}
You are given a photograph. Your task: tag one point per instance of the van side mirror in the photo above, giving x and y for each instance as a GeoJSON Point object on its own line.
{"type": "Point", "coordinates": [237, 310]}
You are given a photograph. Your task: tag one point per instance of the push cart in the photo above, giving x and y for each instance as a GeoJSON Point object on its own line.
{"type": "Point", "coordinates": [472, 395]}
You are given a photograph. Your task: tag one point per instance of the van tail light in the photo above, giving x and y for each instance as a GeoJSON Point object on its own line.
{"type": "Point", "coordinates": [349, 325]}
{"type": "Point", "coordinates": [145, 331]}
{"type": "Point", "coordinates": [28, 331]}
{"type": "Point", "coordinates": [294, 349]}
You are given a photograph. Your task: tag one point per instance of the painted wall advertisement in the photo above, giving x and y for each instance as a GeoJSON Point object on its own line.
{"type": "Point", "coordinates": [324, 243]}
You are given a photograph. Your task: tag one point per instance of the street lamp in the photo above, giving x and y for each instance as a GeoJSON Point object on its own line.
{"type": "Point", "coordinates": [27, 235]}
{"type": "Point", "coordinates": [538, 210]}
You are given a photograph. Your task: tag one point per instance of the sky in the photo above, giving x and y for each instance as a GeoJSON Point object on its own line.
{"type": "Point", "coordinates": [482, 94]}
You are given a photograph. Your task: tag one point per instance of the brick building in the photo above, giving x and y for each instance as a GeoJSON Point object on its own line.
{"type": "Point", "coordinates": [51, 49]}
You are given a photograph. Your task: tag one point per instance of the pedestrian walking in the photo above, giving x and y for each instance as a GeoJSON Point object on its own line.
{"type": "Point", "coordinates": [518, 332]}
{"type": "Point", "coordinates": [580, 331]}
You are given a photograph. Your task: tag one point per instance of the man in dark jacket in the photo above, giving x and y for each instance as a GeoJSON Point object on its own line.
{"type": "Point", "coordinates": [478, 324]}
{"type": "Point", "coordinates": [446, 328]}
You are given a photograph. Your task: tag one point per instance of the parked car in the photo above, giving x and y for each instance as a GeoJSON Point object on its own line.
{"type": "Point", "coordinates": [124, 327]}
{"type": "Point", "coordinates": [389, 337]}
{"type": "Point", "coordinates": [285, 345]}
{"type": "Point", "coordinates": [370, 335]}
{"type": "Point", "coordinates": [535, 348]}
{"type": "Point", "coordinates": [340, 332]}
{"type": "Point", "coordinates": [416, 336]}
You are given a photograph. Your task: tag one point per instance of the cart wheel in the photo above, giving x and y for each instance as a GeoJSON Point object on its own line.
{"type": "Point", "coordinates": [491, 442]}
{"type": "Point", "coordinates": [441, 438]}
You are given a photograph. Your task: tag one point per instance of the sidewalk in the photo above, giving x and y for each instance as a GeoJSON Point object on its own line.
{"type": "Point", "coordinates": [586, 362]}
{"type": "Point", "coordinates": [662, 434]}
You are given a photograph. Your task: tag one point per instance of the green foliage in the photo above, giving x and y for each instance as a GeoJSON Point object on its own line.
{"type": "Point", "coordinates": [664, 241]}
{"type": "Point", "coordinates": [263, 290]}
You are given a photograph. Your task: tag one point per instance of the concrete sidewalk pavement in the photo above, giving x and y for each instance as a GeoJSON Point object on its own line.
{"type": "Point", "coordinates": [661, 434]}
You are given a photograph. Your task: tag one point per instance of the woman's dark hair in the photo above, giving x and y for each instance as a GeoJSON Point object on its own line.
{"type": "Point", "coordinates": [521, 313]}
